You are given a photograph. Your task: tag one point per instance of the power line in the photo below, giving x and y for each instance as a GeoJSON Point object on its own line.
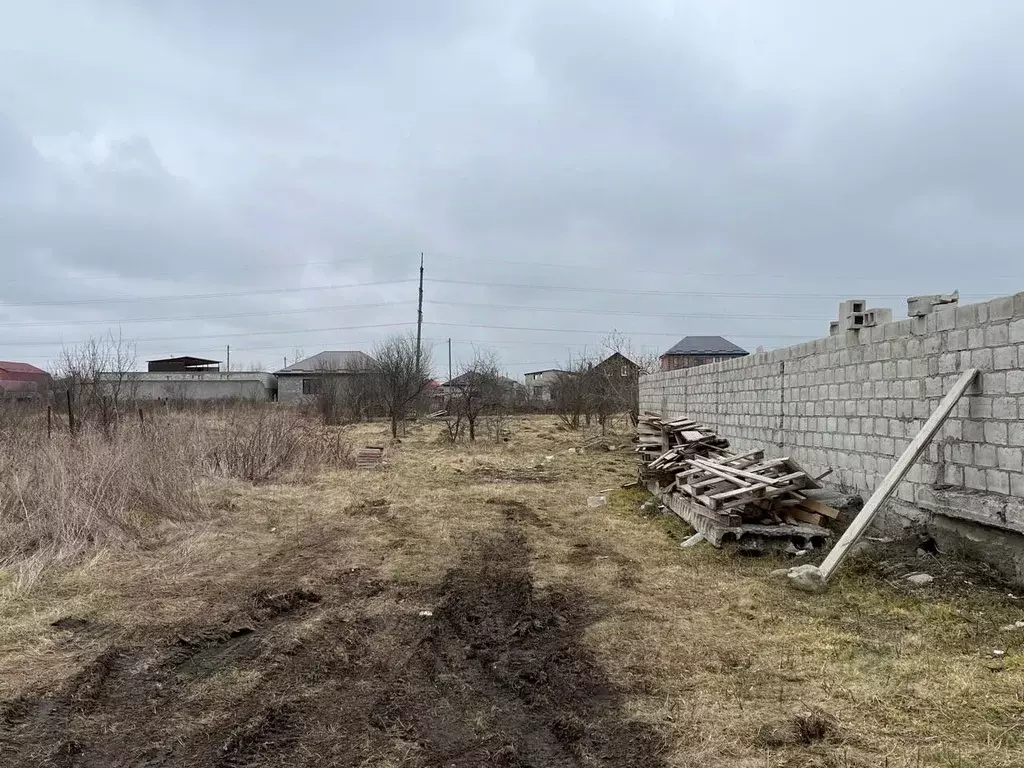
{"type": "Point", "coordinates": [640, 292]}
{"type": "Point", "coordinates": [197, 296]}
{"type": "Point", "coordinates": [216, 335]}
{"type": "Point", "coordinates": [251, 265]}
{"type": "Point", "coordinates": [232, 315]}
{"type": "Point", "coordinates": [379, 304]}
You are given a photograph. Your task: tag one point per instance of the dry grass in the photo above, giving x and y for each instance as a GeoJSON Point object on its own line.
{"type": "Point", "coordinates": [730, 666]}
{"type": "Point", "coordinates": [64, 496]}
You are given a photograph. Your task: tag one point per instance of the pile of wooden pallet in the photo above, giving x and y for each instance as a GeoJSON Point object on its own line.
{"type": "Point", "coordinates": [369, 456]}
{"type": "Point", "coordinates": [725, 494]}
{"type": "Point", "coordinates": [664, 446]}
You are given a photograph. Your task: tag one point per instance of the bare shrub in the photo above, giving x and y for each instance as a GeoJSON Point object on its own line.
{"type": "Point", "coordinates": [262, 445]}
{"type": "Point", "coordinates": [97, 377]}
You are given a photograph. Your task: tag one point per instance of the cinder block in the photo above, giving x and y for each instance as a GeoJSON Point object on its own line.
{"type": "Point", "coordinates": [1000, 309]}
{"type": "Point", "coordinates": [997, 335]}
{"type": "Point", "coordinates": [963, 453]}
{"type": "Point", "coordinates": [1004, 408]}
{"type": "Point", "coordinates": [918, 306]}
{"type": "Point", "coordinates": [852, 306]}
{"type": "Point", "coordinates": [997, 481]}
{"type": "Point", "coordinates": [1017, 485]}
{"type": "Point", "coordinates": [993, 382]}
{"type": "Point", "coordinates": [966, 317]}
{"type": "Point", "coordinates": [856, 321]}
{"type": "Point", "coordinates": [981, 359]}
{"type": "Point", "coordinates": [975, 478]}
{"type": "Point", "coordinates": [953, 475]}
{"type": "Point", "coordinates": [981, 407]}
{"type": "Point", "coordinates": [1016, 433]}
{"type": "Point", "coordinates": [945, 320]}
{"type": "Point", "coordinates": [976, 338]}
{"type": "Point", "coordinates": [1017, 332]}
{"type": "Point", "coordinates": [985, 455]}
{"type": "Point", "coordinates": [995, 432]}
{"type": "Point", "coordinates": [1011, 459]}
{"type": "Point", "coordinates": [956, 340]}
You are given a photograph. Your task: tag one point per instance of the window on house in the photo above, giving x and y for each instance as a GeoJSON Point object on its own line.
{"type": "Point", "coordinates": [538, 391]}
{"type": "Point", "coordinates": [310, 386]}
{"type": "Point", "coordinates": [625, 371]}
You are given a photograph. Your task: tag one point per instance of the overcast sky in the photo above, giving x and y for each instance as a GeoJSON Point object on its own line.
{"type": "Point", "coordinates": [265, 174]}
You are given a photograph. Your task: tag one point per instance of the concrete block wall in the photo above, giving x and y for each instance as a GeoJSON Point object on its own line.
{"type": "Point", "coordinates": [853, 402]}
{"type": "Point", "coordinates": [206, 385]}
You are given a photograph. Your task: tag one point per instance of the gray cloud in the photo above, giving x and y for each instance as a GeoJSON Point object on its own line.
{"type": "Point", "coordinates": [762, 163]}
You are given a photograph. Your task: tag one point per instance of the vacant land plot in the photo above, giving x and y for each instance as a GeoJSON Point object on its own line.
{"type": "Point", "coordinates": [465, 607]}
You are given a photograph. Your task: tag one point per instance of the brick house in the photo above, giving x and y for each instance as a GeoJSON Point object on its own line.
{"type": "Point", "coordinates": [700, 350]}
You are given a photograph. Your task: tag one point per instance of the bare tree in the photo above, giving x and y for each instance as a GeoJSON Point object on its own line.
{"type": "Point", "coordinates": [400, 375]}
{"type": "Point", "coordinates": [570, 393]}
{"type": "Point", "coordinates": [480, 388]}
{"type": "Point", "coordinates": [97, 374]}
{"type": "Point", "coordinates": [617, 388]}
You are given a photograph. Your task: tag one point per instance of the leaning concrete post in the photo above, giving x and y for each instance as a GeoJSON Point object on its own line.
{"type": "Point", "coordinates": [815, 578]}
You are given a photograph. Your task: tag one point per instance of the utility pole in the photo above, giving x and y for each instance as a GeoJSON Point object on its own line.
{"type": "Point", "coordinates": [419, 317]}
{"type": "Point", "coordinates": [229, 358]}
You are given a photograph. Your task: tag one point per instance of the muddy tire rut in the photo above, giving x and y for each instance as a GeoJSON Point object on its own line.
{"type": "Point", "coordinates": [350, 675]}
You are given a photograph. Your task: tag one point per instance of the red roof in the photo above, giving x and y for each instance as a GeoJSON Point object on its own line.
{"type": "Point", "coordinates": [11, 367]}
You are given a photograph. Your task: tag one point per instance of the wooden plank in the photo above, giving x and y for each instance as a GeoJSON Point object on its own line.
{"type": "Point", "coordinates": [768, 494]}
{"type": "Point", "coordinates": [738, 472]}
{"type": "Point", "coordinates": [708, 467]}
{"type": "Point", "coordinates": [726, 495]}
{"type": "Point", "coordinates": [899, 470]}
{"type": "Point", "coordinates": [755, 456]}
{"type": "Point", "coordinates": [692, 436]}
{"type": "Point", "coordinates": [797, 468]}
{"type": "Point", "coordinates": [821, 509]}
{"type": "Point", "coordinates": [803, 516]}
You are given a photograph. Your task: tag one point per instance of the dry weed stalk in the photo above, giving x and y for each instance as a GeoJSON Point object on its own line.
{"type": "Point", "coordinates": [69, 494]}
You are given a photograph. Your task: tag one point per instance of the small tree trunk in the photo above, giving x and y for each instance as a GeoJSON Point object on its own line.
{"type": "Point", "coordinates": [394, 423]}
{"type": "Point", "coordinates": [472, 428]}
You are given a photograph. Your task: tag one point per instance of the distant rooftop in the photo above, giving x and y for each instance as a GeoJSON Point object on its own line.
{"type": "Point", "coordinates": [12, 367]}
{"type": "Point", "coordinates": [546, 370]}
{"type": "Point", "coordinates": [185, 363]}
{"type": "Point", "coordinates": [350, 360]}
{"type": "Point", "coordinates": [706, 345]}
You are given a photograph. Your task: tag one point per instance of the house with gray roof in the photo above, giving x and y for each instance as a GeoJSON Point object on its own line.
{"type": "Point", "coordinates": [699, 350]}
{"type": "Point", "coordinates": [300, 381]}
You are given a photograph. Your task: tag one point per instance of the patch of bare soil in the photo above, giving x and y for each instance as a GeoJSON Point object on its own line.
{"type": "Point", "coordinates": [352, 674]}
{"type": "Point", "coordinates": [513, 475]}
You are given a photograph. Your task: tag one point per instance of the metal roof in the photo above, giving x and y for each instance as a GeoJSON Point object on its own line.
{"type": "Point", "coordinates": [546, 370]}
{"type": "Point", "coordinates": [12, 367]}
{"type": "Point", "coordinates": [331, 361]}
{"type": "Point", "coordinates": [185, 360]}
{"type": "Point", "coordinates": [705, 345]}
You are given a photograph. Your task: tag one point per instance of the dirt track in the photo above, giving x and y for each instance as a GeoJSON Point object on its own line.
{"type": "Point", "coordinates": [351, 674]}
